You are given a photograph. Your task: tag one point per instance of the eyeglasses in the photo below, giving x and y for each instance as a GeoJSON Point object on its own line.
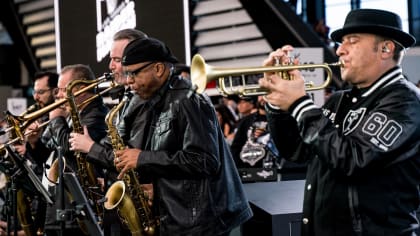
{"type": "Point", "coordinates": [63, 90]}
{"type": "Point", "coordinates": [133, 73]}
{"type": "Point", "coordinates": [41, 91]}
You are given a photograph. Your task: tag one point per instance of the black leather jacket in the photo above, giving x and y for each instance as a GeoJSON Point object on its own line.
{"type": "Point", "coordinates": [93, 116]}
{"type": "Point", "coordinates": [364, 158]}
{"type": "Point", "coordinates": [196, 185]}
{"type": "Point", "coordinates": [131, 128]}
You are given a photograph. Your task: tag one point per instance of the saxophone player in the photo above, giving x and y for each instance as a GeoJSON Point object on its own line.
{"type": "Point", "coordinates": [197, 190]}
{"type": "Point", "coordinates": [57, 134]}
{"type": "Point", "coordinates": [130, 126]}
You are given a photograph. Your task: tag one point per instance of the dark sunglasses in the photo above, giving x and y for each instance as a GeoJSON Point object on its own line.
{"type": "Point", "coordinates": [133, 73]}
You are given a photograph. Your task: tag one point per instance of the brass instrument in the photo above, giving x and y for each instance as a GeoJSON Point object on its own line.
{"type": "Point", "coordinates": [23, 205]}
{"type": "Point", "coordinates": [132, 205]}
{"type": "Point", "coordinates": [24, 214]}
{"type": "Point", "coordinates": [12, 123]}
{"type": "Point", "coordinates": [17, 124]}
{"type": "Point", "coordinates": [85, 170]}
{"type": "Point", "coordinates": [30, 109]}
{"type": "Point", "coordinates": [202, 73]}
{"type": "Point", "coordinates": [26, 120]}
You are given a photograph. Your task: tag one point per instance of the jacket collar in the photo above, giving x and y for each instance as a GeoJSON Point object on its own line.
{"type": "Point", "coordinates": [390, 77]}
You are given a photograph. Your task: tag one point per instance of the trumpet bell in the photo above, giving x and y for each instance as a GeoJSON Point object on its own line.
{"type": "Point", "coordinates": [199, 72]}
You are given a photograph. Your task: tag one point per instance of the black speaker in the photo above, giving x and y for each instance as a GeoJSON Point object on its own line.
{"type": "Point", "coordinates": [277, 208]}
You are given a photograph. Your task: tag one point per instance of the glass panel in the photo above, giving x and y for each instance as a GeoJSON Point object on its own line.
{"type": "Point", "coordinates": [390, 5]}
{"type": "Point", "coordinates": [336, 10]}
{"type": "Point", "coordinates": [335, 13]}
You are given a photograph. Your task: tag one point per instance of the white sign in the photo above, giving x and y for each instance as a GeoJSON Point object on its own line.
{"type": "Point", "coordinates": [16, 106]}
{"type": "Point", "coordinates": [316, 76]}
{"type": "Point", "coordinates": [121, 17]}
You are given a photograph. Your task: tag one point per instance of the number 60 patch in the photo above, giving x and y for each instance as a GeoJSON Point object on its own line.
{"type": "Point", "coordinates": [384, 132]}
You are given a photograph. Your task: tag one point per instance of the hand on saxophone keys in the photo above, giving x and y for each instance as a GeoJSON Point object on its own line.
{"type": "Point", "coordinates": [81, 142]}
{"type": "Point", "coordinates": [126, 160]}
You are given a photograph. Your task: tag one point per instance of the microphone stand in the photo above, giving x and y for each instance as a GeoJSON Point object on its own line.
{"type": "Point", "coordinates": [12, 207]}
{"type": "Point", "coordinates": [14, 204]}
{"type": "Point", "coordinates": [60, 194]}
{"type": "Point", "coordinates": [11, 201]}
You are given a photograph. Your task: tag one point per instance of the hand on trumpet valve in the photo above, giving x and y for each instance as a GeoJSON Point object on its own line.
{"type": "Point", "coordinates": [20, 148]}
{"type": "Point", "coordinates": [282, 92]}
{"type": "Point", "coordinates": [33, 133]}
{"type": "Point", "coordinates": [282, 56]}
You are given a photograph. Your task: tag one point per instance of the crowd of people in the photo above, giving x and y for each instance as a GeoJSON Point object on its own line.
{"type": "Point", "coordinates": [183, 158]}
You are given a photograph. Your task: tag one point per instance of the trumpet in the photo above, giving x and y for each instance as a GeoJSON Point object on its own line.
{"type": "Point", "coordinates": [18, 138]}
{"type": "Point", "coordinates": [19, 123]}
{"type": "Point", "coordinates": [202, 74]}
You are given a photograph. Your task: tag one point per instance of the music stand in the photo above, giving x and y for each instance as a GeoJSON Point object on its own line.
{"type": "Point", "coordinates": [23, 168]}
{"type": "Point", "coordinates": [19, 168]}
{"type": "Point", "coordinates": [82, 208]}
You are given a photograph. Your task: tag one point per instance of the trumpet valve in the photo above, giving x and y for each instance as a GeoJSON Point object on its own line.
{"type": "Point", "coordinates": [309, 84]}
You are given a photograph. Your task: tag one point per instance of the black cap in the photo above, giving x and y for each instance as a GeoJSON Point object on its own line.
{"type": "Point", "coordinates": [147, 49]}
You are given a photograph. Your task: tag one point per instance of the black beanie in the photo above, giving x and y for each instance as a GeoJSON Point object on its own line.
{"type": "Point", "coordinates": [147, 49]}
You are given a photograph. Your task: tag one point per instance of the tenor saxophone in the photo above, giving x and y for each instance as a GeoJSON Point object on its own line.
{"type": "Point", "coordinates": [85, 171]}
{"type": "Point", "coordinates": [127, 194]}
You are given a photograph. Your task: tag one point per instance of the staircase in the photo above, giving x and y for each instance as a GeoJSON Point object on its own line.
{"type": "Point", "coordinates": [225, 34]}
{"type": "Point", "coordinates": [38, 20]}
{"type": "Point", "coordinates": [30, 24]}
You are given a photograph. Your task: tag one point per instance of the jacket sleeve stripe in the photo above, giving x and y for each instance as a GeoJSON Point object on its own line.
{"type": "Point", "coordinates": [304, 106]}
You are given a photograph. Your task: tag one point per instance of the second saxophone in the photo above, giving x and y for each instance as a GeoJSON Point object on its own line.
{"type": "Point", "coordinates": [127, 194]}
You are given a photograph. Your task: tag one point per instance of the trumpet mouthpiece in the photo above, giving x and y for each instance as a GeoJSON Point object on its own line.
{"type": "Point", "coordinates": [339, 63]}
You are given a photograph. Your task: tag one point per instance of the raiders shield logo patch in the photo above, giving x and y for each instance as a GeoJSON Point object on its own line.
{"type": "Point", "coordinates": [352, 120]}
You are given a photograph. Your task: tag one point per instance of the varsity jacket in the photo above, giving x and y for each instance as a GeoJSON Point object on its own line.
{"type": "Point", "coordinates": [364, 158]}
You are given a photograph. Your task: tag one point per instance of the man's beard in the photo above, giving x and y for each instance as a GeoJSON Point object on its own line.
{"type": "Point", "coordinates": [50, 101]}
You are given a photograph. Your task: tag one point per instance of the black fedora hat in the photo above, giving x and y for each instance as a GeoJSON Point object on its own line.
{"type": "Point", "coordinates": [375, 21]}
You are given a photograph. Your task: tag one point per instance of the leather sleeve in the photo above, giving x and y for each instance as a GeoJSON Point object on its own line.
{"type": "Point", "coordinates": [188, 136]}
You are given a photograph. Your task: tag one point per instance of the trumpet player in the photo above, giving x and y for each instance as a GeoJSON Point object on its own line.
{"type": "Point", "coordinates": [44, 91]}
{"type": "Point", "coordinates": [363, 144]}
